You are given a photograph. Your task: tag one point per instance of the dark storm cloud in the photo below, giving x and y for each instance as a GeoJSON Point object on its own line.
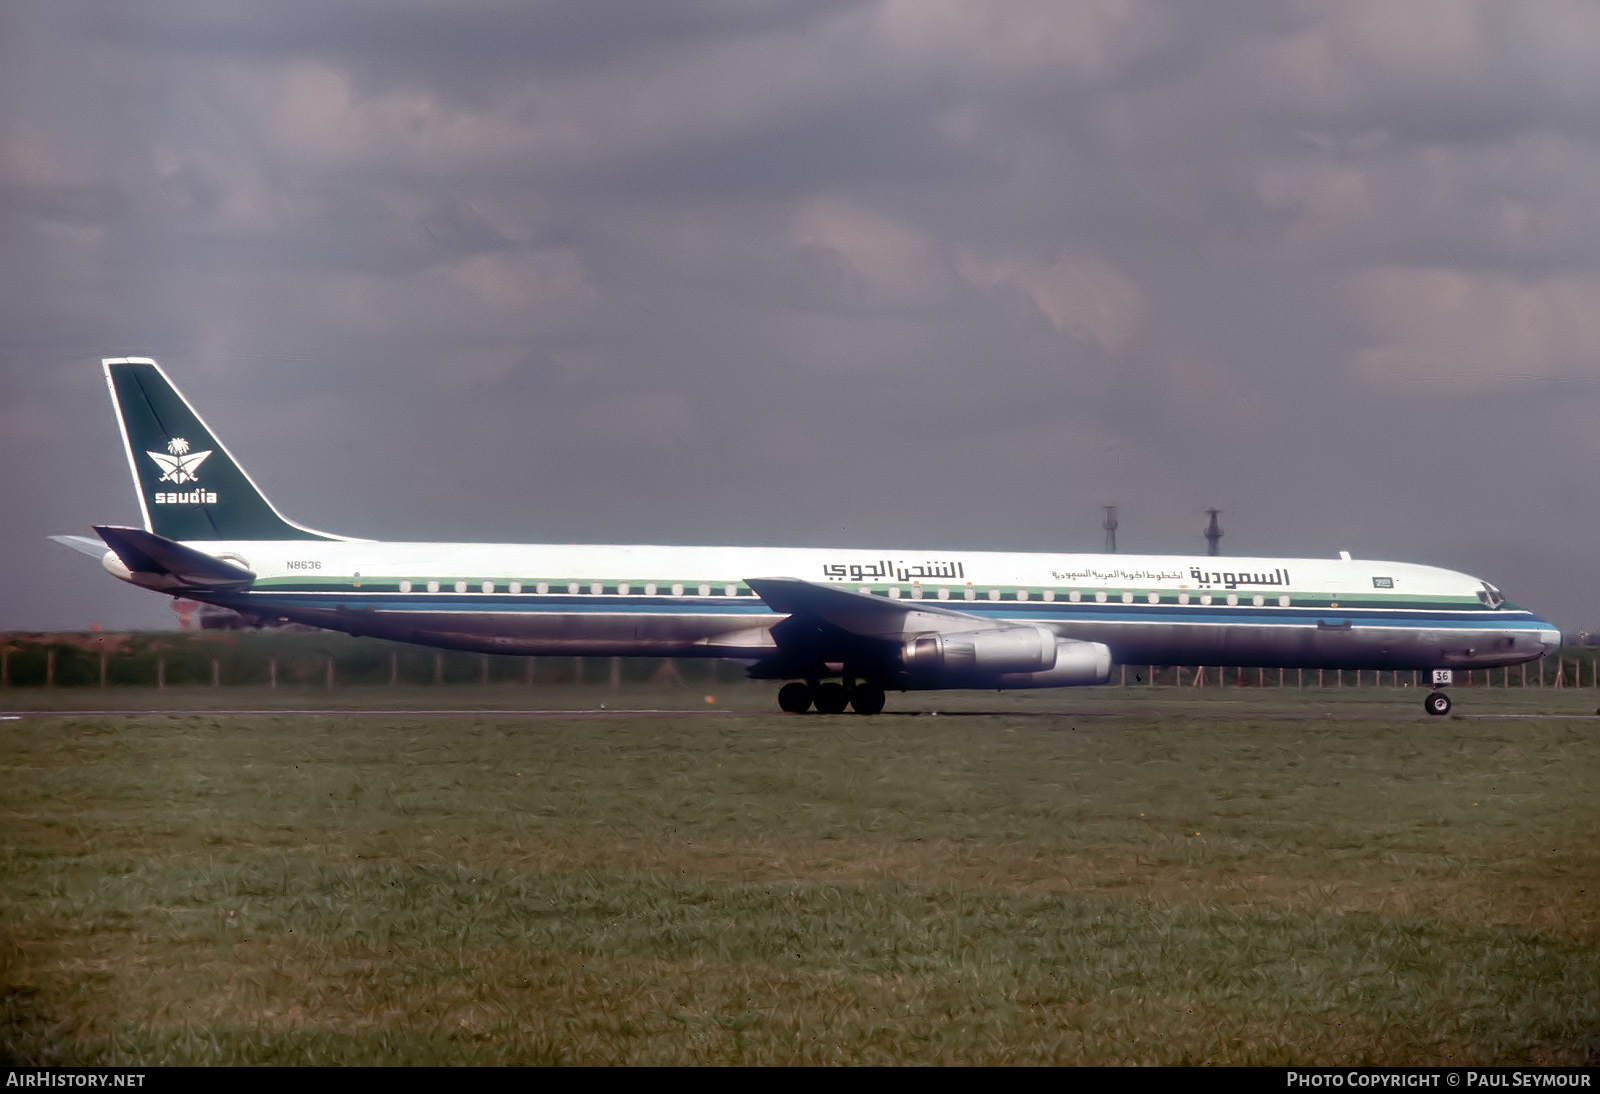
{"type": "Point", "coordinates": [895, 272]}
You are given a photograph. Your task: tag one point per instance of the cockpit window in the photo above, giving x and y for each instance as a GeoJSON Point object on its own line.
{"type": "Point", "coordinates": [1490, 596]}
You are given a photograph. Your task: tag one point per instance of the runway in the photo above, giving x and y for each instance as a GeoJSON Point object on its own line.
{"type": "Point", "coordinates": [800, 720]}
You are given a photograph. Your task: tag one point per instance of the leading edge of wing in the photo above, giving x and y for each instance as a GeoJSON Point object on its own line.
{"type": "Point", "coordinates": [859, 613]}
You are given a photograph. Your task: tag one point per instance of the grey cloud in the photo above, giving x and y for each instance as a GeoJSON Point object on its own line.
{"type": "Point", "coordinates": [862, 272]}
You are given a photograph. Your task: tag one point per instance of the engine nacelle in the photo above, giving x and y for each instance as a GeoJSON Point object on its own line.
{"type": "Point", "coordinates": [1077, 664]}
{"type": "Point", "coordinates": [981, 653]}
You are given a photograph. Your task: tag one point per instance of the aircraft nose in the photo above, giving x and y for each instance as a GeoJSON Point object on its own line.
{"type": "Point", "coordinates": [1550, 640]}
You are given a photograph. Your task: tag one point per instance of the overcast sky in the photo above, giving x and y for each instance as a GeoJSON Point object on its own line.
{"type": "Point", "coordinates": [907, 273]}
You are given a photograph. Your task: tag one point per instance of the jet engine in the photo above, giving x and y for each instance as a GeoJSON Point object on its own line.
{"type": "Point", "coordinates": [981, 653]}
{"type": "Point", "coordinates": [1008, 657]}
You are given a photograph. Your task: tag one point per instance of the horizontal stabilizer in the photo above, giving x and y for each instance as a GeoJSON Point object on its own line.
{"type": "Point", "coordinates": [84, 545]}
{"type": "Point", "coordinates": [147, 553]}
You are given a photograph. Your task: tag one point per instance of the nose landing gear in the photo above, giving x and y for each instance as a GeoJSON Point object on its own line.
{"type": "Point", "coordinates": [1437, 702]}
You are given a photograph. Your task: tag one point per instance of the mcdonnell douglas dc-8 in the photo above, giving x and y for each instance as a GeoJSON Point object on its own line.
{"type": "Point", "coordinates": [843, 626]}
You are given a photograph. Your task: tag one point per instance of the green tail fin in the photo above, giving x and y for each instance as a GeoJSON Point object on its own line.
{"type": "Point", "coordinates": [189, 485]}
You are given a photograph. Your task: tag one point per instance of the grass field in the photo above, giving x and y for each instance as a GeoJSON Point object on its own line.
{"type": "Point", "coordinates": [1099, 876]}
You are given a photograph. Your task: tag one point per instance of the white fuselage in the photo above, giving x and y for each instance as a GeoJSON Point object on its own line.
{"type": "Point", "coordinates": [687, 601]}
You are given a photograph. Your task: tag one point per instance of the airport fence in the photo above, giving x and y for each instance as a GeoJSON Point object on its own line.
{"type": "Point", "coordinates": [328, 660]}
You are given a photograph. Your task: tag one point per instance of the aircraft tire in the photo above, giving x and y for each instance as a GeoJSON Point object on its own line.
{"type": "Point", "coordinates": [830, 698]}
{"type": "Point", "coordinates": [867, 699]}
{"type": "Point", "coordinates": [794, 698]}
{"type": "Point", "coordinates": [1437, 703]}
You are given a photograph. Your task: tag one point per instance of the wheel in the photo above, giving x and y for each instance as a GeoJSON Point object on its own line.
{"type": "Point", "coordinates": [830, 698]}
{"type": "Point", "coordinates": [867, 699]}
{"type": "Point", "coordinates": [1437, 703]}
{"type": "Point", "coordinates": [794, 698]}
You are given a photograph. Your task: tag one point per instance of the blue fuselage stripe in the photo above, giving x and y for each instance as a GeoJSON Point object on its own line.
{"type": "Point", "coordinates": [1043, 612]}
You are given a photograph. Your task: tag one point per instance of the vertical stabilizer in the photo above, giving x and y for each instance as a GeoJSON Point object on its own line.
{"type": "Point", "coordinates": [189, 485]}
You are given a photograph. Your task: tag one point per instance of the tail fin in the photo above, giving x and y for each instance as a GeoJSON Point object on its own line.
{"type": "Point", "coordinates": [189, 485]}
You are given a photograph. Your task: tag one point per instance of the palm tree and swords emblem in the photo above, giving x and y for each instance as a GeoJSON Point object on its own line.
{"type": "Point", "coordinates": [177, 463]}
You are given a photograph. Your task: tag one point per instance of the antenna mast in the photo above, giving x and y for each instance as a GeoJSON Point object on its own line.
{"type": "Point", "coordinates": [1213, 532]}
{"type": "Point", "coordinates": [1110, 525]}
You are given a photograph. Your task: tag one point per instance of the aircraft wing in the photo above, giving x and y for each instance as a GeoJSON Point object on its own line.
{"type": "Point", "coordinates": [863, 614]}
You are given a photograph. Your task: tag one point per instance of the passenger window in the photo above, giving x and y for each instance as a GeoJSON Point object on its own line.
{"type": "Point", "coordinates": [1022, 594]}
{"type": "Point", "coordinates": [677, 588]}
{"type": "Point", "coordinates": [971, 593]}
{"type": "Point", "coordinates": [916, 592]}
{"type": "Point", "coordinates": [1074, 596]}
{"type": "Point", "coordinates": [705, 589]}
{"type": "Point", "coordinates": [542, 588]}
{"type": "Point", "coordinates": [1049, 594]}
{"type": "Point", "coordinates": [894, 592]}
{"type": "Point", "coordinates": [1183, 598]}
{"type": "Point", "coordinates": [515, 587]}
{"type": "Point", "coordinates": [1127, 598]}
{"type": "Point", "coordinates": [596, 588]}
{"type": "Point", "coordinates": [1205, 598]}
{"type": "Point", "coordinates": [1233, 599]}
{"type": "Point", "coordinates": [1153, 598]}
{"type": "Point", "coordinates": [730, 590]}
{"type": "Point", "coordinates": [622, 590]}
{"type": "Point", "coordinates": [649, 588]}
{"type": "Point", "coordinates": [405, 586]}
{"type": "Point", "coordinates": [944, 593]}
{"type": "Point", "coordinates": [1258, 600]}
{"type": "Point", "coordinates": [487, 586]}
{"type": "Point", "coordinates": [1283, 601]}
{"type": "Point", "coordinates": [1100, 597]}
{"type": "Point", "coordinates": [433, 586]}
{"type": "Point", "coordinates": [573, 587]}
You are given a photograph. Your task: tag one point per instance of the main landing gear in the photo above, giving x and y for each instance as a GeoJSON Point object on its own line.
{"type": "Point", "coordinates": [830, 698]}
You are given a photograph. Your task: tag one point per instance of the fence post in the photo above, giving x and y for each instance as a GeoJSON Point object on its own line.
{"type": "Point", "coordinates": [161, 672]}
{"type": "Point", "coordinates": [438, 667]}
{"type": "Point", "coordinates": [216, 673]}
{"type": "Point", "coordinates": [272, 671]}
{"type": "Point", "coordinates": [483, 669]}
{"type": "Point", "coordinates": [50, 668]}
{"type": "Point", "coordinates": [394, 668]}
{"type": "Point", "coordinates": [102, 668]}
{"type": "Point", "coordinates": [527, 672]}
{"type": "Point", "coordinates": [1151, 679]}
{"type": "Point", "coordinates": [330, 673]}
{"type": "Point", "coordinates": [616, 674]}
{"type": "Point", "coordinates": [5, 666]}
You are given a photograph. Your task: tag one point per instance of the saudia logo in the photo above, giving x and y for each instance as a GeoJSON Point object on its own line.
{"type": "Point", "coordinates": [178, 466]}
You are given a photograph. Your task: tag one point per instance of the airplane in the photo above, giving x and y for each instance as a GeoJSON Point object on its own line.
{"type": "Point", "coordinates": [842, 626]}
